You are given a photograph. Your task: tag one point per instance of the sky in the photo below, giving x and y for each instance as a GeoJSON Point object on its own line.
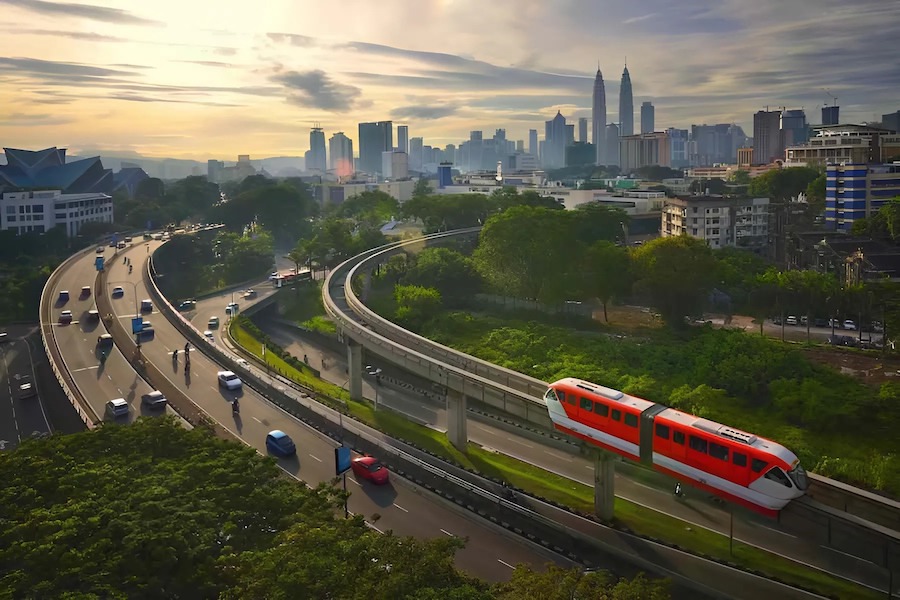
{"type": "Point", "coordinates": [212, 79]}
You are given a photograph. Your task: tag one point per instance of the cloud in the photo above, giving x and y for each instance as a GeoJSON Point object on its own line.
{"type": "Point", "coordinates": [85, 11]}
{"type": "Point", "coordinates": [421, 112]}
{"type": "Point", "coordinates": [315, 89]}
{"type": "Point", "coordinates": [639, 19]}
{"type": "Point", "coordinates": [303, 41]}
{"type": "Point", "coordinates": [206, 63]}
{"type": "Point", "coordinates": [22, 119]}
{"type": "Point", "coordinates": [74, 35]}
{"type": "Point", "coordinates": [54, 68]}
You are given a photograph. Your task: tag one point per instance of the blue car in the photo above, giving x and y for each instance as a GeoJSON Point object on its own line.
{"type": "Point", "coordinates": [280, 443]}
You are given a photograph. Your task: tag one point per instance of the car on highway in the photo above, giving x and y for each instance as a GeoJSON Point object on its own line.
{"type": "Point", "coordinates": [65, 316]}
{"type": "Point", "coordinates": [213, 323]}
{"type": "Point", "coordinates": [118, 291]}
{"type": "Point", "coordinates": [128, 239]}
{"type": "Point", "coordinates": [64, 296]}
{"type": "Point", "coordinates": [147, 329]}
{"type": "Point", "coordinates": [250, 294]}
{"type": "Point", "coordinates": [273, 275]}
{"type": "Point", "coordinates": [26, 388]}
{"type": "Point", "coordinates": [371, 370]}
{"type": "Point", "coordinates": [370, 468]}
{"type": "Point", "coordinates": [229, 381]}
{"type": "Point", "coordinates": [120, 245]}
{"type": "Point", "coordinates": [231, 309]}
{"type": "Point", "coordinates": [791, 320]}
{"type": "Point", "coordinates": [147, 305]}
{"type": "Point", "coordinates": [4, 337]}
{"type": "Point", "coordinates": [280, 443]}
{"type": "Point", "coordinates": [117, 408]}
{"type": "Point", "coordinates": [848, 324]}
{"type": "Point", "coordinates": [242, 363]}
{"type": "Point", "coordinates": [154, 399]}
{"type": "Point", "coordinates": [93, 315]}
{"type": "Point", "coordinates": [209, 336]}
{"type": "Point", "coordinates": [105, 342]}
{"type": "Point", "coordinates": [86, 291]}
{"type": "Point", "coordinates": [188, 305]}
{"type": "Point", "coordinates": [112, 244]}
{"type": "Point", "coordinates": [100, 250]}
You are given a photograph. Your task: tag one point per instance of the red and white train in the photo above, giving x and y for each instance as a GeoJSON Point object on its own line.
{"type": "Point", "coordinates": [741, 467]}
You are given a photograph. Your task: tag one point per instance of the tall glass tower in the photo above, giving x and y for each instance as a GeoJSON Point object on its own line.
{"type": "Point", "coordinates": [598, 116]}
{"type": "Point", "coordinates": [626, 105]}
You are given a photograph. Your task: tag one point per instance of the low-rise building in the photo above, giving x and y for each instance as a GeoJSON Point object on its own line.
{"type": "Point", "coordinates": [855, 144]}
{"type": "Point", "coordinates": [855, 191]}
{"type": "Point", "coordinates": [719, 220]}
{"type": "Point", "coordinates": [41, 211]}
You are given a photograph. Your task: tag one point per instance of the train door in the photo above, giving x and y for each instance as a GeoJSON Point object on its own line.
{"type": "Point", "coordinates": [646, 432]}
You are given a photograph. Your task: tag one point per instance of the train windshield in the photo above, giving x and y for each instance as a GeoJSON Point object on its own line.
{"type": "Point", "coordinates": [798, 476]}
{"type": "Point", "coordinates": [550, 395]}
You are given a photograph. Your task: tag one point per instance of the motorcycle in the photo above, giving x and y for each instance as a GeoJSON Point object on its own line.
{"type": "Point", "coordinates": [235, 407]}
{"type": "Point", "coordinates": [130, 267]}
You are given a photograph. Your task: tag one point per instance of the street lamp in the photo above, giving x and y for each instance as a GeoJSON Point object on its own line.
{"type": "Point", "coordinates": [137, 309]}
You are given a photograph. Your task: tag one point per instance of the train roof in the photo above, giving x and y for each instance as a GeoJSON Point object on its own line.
{"type": "Point", "coordinates": [608, 393]}
{"type": "Point", "coordinates": [730, 433]}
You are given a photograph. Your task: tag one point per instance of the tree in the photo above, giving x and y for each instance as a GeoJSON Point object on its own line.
{"type": "Point", "coordinates": [815, 194]}
{"type": "Point", "coordinates": [890, 213]}
{"type": "Point", "coordinates": [416, 304]}
{"type": "Point", "coordinates": [740, 177]}
{"type": "Point", "coordinates": [443, 212]}
{"type": "Point", "coordinates": [607, 271]}
{"type": "Point", "coordinates": [657, 173]}
{"type": "Point", "coordinates": [677, 273]}
{"type": "Point", "coordinates": [716, 187]}
{"type": "Point", "coordinates": [375, 206]}
{"type": "Point", "coordinates": [422, 189]}
{"type": "Point", "coordinates": [508, 196]}
{"type": "Point", "coordinates": [557, 583]}
{"type": "Point", "coordinates": [783, 184]}
{"type": "Point", "coordinates": [447, 271]}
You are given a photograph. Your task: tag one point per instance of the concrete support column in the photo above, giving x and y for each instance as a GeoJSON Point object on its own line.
{"type": "Point", "coordinates": [354, 366]}
{"type": "Point", "coordinates": [604, 484]}
{"type": "Point", "coordinates": [457, 432]}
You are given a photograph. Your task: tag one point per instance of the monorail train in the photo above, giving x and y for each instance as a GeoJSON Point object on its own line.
{"type": "Point", "coordinates": [738, 466]}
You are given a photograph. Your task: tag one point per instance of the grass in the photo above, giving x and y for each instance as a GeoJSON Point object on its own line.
{"type": "Point", "coordinates": [557, 488]}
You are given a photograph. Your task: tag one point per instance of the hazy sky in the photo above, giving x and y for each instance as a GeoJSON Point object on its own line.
{"type": "Point", "coordinates": [203, 78]}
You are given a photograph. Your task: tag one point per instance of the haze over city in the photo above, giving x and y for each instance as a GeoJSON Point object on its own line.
{"type": "Point", "coordinates": [197, 79]}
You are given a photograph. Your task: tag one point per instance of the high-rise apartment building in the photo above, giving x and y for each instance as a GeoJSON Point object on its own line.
{"type": "Point", "coordinates": [415, 154]}
{"type": "Point", "coordinates": [598, 117]}
{"type": "Point", "coordinates": [856, 191]}
{"type": "Point", "coordinates": [316, 159]}
{"type": "Point", "coordinates": [394, 164]}
{"type": "Point", "coordinates": [831, 115]}
{"type": "Point", "coordinates": [767, 144]}
{"type": "Point", "coordinates": [533, 142]}
{"type": "Point", "coordinates": [582, 130]}
{"type": "Point", "coordinates": [403, 138]}
{"type": "Point", "coordinates": [719, 221]}
{"type": "Point", "coordinates": [648, 117]}
{"type": "Point", "coordinates": [891, 121]}
{"type": "Point", "coordinates": [626, 105]}
{"type": "Point", "coordinates": [556, 134]}
{"type": "Point", "coordinates": [611, 153]}
{"type": "Point", "coordinates": [374, 138]}
{"type": "Point", "coordinates": [520, 146]}
{"type": "Point", "coordinates": [644, 150]}
{"type": "Point", "coordinates": [794, 129]}
{"type": "Point", "coordinates": [340, 151]}
{"type": "Point", "coordinates": [678, 146]}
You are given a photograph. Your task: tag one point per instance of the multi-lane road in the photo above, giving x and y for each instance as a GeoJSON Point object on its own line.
{"type": "Point", "coordinates": [22, 413]}
{"type": "Point", "coordinates": [490, 554]}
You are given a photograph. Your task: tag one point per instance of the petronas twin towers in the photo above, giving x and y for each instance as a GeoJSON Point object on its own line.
{"type": "Point", "coordinates": [607, 150]}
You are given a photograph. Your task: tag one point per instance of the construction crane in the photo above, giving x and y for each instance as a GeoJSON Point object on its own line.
{"type": "Point", "coordinates": [832, 96]}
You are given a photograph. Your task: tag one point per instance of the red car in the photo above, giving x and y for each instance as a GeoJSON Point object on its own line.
{"type": "Point", "coordinates": [369, 468]}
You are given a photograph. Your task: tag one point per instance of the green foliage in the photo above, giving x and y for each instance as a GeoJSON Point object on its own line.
{"type": "Point", "coordinates": [279, 208]}
{"type": "Point", "coordinates": [449, 272]}
{"type": "Point", "coordinates": [716, 187]}
{"type": "Point", "coordinates": [740, 177]}
{"type": "Point", "coordinates": [557, 583]}
{"type": "Point", "coordinates": [783, 184]}
{"type": "Point", "coordinates": [606, 272]}
{"type": "Point", "coordinates": [676, 274]}
{"type": "Point", "coordinates": [657, 173]}
{"type": "Point", "coordinates": [374, 207]}
{"type": "Point", "coordinates": [416, 304]}
{"type": "Point", "coordinates": [508, 197]}
{"type": "Point", "coordinates": [244, 256]}
{"type": "Point", "coordinates": [443, 212]}
{"type": "Point", "coordinates": [26, 262]}
{"type": "Point", "coordinates": [192, 196]}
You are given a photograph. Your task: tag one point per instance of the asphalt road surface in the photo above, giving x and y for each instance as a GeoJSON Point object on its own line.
{"type": "Point", "coordinates": [20, 417]}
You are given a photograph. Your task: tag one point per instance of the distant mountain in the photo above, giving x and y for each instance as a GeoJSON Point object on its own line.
{"type": "Point", "coordinates": [177, 168]}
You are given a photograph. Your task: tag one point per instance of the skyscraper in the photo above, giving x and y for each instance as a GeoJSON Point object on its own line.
{"type": "Point", "coordinates": [532, 142]}
{"type": "Point", "coordinates": [648, 117]}
{"type": "Point", "coordinates": [403, 138]}
{"type": "Point", "coordinates": [374, 138]}
{"type": "Point", "coordinates": [316, 159]}
{"type": "Point", "coordinates": [794, 129]}
{"type": "Point", "coordinates": [626, 105]}
{"type": "Point", "coordinates": [767, 144]}
{"type": "Point", "coordinates": [555, 135]}
{"type": "Point", "coordinates": [598, 116]}
{"type": "Point", "coordinates": [415, 154]}
{"type": "Point", "coordinates": [612, 145]}
{"type": "Point", "coordinates": [520, 146]}
{"type": "Point", "coordinates": [831, 115]}
{"type": "Point", "coordinates": [582, 130]}
{"type": "Point", "coordinates": [340, 151]}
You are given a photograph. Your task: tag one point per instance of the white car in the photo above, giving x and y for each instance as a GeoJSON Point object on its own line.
{"type": "Point", "coordinates": [229, 380]}
{"type": "Point", "coordinates": [209, 336]}
{"type": "Point", "coordinates": [117, 408]}
{"type": "Point", "coordinates": [118, 291]}
{"type": "Point", "coordinates": [154, 399]}
{"type": "Point", "coordinates": [231, 309]}
{"type": "Point", "coordinates": [848, 324]}
{"type": "Point", "coordinates": [243, 363]}
{"type": "Point", "coordinates": [792, 320]}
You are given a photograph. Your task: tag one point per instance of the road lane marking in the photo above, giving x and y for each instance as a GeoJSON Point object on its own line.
{"type": "Point", "coordinates": [845, 554]}
{"type": "Point", "coordinates": [486, 430]}
{"type": "Point", "coordinates": [372, 526]}
{"type": "Point", "coordinates": [519, 442]}
{"type": "Point", "coordinates": [447, 532]}
{"type": "Point", "coordinates": [260, 422]}
{"type": "Point", "coordinates": [558, 456]}
{"type": "Point", "coordinates": [504, 563]}
{"type": "Point", "coordinates": [400, 507]}
{"type": "Point", "coordinates": [316, 457]}
{"type": "Point", "coordinates": [644, 485]}
{"type": "Point", "coordinates": [775, 530]}
{"type": "Point", "coordinates": [351, 480]}
{"type": "Point", "coordinates": [84, 369]}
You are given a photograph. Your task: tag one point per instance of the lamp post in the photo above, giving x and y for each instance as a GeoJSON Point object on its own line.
{"type": "Point", "coordinates": [137, 308]}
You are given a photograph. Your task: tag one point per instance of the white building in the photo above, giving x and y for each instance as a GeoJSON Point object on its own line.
{"type": "Point", "coordinates": [41, 211]}
{"type": "Point", "coordinates": [721, 221]}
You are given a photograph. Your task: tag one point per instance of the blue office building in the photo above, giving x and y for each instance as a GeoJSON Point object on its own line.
{"type": "Point", "coordinates": [856, 191]}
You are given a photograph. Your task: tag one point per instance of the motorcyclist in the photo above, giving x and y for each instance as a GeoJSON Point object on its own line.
{"type": "Point", "coordinates": [103, 356]}
{"type": "Point", "coordinates": [678, 491]}
{"type": "Point", "coordinates": [175, 354]}
{"type": "Point", "coordinates": [235, 406]}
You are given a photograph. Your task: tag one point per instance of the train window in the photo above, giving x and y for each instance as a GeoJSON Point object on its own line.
{"type": "Point", "coordinates": [601, 409]}
{"type": "Point", "coordinates": [758, 465]}
{"type": "Point", "coordinates": [678, 437]}
{"type": "Point", "coordinates": [631, 420]}
{"type": "Point", "coordinates": [662, 431]}
{"type": "Point", "coordinates": [776, 474]}
{"type": "Point", "coordinates": [698, 444]}
{"type": "Point", "coordinates": [587, 404]}
{"type": "Point", "coordinates": [718, 451]}
{"type": "Point", "coordinates": [570, 398]}
{"type": "Point", "coordinates": [616, 415]}
{"type": "Point", "coordinates": [739, 459]}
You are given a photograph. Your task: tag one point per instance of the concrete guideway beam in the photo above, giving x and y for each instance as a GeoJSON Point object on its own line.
{"type": "Point", "coordinates": [457, 431]}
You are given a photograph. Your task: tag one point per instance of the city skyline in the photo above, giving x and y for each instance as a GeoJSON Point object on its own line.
{"type": "Point", "coordinates": [179, 80]}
